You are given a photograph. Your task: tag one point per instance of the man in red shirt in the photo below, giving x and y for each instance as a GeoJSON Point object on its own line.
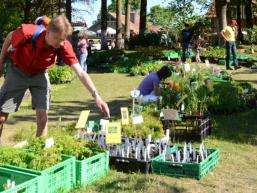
{"type": "Point", "coordinates": [28, 69]}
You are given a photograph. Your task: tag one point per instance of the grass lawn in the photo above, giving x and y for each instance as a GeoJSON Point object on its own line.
{"type": "Point", "coordinates": [235, 135]}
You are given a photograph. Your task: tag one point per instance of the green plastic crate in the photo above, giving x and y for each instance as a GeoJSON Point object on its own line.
{"type": "Point", "coordinates": [171, 55]}
{"type": "Point", "coordinates": [218, 79]}
{"type": "Point", "coordinates": [24, 182]}
{"type": "Point", "coordinates": [91, 169]}
{"type": "Point", "coordinates": [193, 170]}
{"type": "Point", "coordinates": [223, 62]}
{"type": "Point", "coordinates": [58, 178]}
{"type": "Point", "coordinates": [243, 56]}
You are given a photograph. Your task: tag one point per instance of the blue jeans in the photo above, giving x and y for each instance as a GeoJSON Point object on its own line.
{"type": "Point", "coordinates": [185, 48]}
{"type": "Point", "coordinates": [83, 61]}
{"type": "Point", "coordinates": [231, 48]}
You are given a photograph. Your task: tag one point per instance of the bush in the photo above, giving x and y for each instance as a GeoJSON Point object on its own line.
{"type": "Point", "coordinates": [60, 74]}
{"type": "Point", "coordinates": [226, 98]}
{"type": "Point", "coordinates": [251, 36]}
{"type": "Point", "coordinates": [145, 68]}
{"type": "Point", "coordinates": [215, 52]}
{"type": "Point", "coordinates": [148, 39]}
{"type": "Point", "coordinates": [104, 56]}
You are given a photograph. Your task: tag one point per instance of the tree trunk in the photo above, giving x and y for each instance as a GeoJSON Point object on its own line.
{"type": "Point", "coordinates": [118, 25]}
{"type": "Point", "coordinates": [249, 18]}
{"type": "Point", "coordinates": [221, 15]}
{"type": "Point", "coordinates": [27, 11]}
{"type": "Point", "coordinates": [143, 8]}
{"type": "Point", "coordinates": [239, 35]}
{"type": "Point", "coordinates": [68, 9]}
{"type": "Point", "coordinates": [127, 26]}
{"type": "Point", "coordinates": [104, 45]}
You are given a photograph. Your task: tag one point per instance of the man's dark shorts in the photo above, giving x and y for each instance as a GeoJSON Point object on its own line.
{"type": "Point", "coordinates": [15, 85]}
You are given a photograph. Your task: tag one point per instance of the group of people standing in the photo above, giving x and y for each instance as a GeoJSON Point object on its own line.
{"type": "Point", "coordinates": [229, 34]}
{"type": "Point", "coordinates": [150, 86]}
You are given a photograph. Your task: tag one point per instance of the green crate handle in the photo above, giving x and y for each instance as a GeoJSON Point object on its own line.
{"type": "Point", "coordinates": [210, 158]}
{"type": "Point", "coordinates": [58, 170]}
{"type": "Point", "coordinates": [176, 166]}
{"type": "Point", "coordinates": [125, 161]}
{"type": "Point", "coordinates": [94, 161]}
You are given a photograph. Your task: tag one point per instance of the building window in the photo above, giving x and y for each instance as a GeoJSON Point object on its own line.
{"type": "Point", "coordinates": [233, 12]}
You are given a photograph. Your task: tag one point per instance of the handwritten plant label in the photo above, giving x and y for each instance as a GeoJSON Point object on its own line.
{"type": "Point", "coordinates": [137, 120]}
{"type": "Point", "coordinates": [135, 93]}
{"type": "Point", "coordinates": [103, 123]}
{"type": "Point", "coordinates": [49, 142]}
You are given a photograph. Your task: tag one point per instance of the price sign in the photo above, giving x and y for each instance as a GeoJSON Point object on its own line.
{"type": "Point", "coordinates": [82, 120]}
{"type": "Point", "coordinates": [170, 114]}
{"type": "Point", "coordinates": [113, 133]}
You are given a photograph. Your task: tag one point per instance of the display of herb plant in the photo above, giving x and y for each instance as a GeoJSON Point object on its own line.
{"type": "Point", "coordinates": [77, 147]}
{"type": "Point", "coordinates": [34, 156]}
{"type": "Point", "coordinates": [216, 52]}
{"type": "Point", "coordinates": [13, 156]}
{"type": "Point", "coordinates": [151, 125]}
{"type": "Point", "coordinates": [144, 68]}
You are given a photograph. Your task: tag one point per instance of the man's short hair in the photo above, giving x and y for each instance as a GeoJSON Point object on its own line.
{"type": "Point", "coordinates": [60, 24]}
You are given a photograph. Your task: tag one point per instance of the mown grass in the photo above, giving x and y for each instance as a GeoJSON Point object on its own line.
{"type": "Point", "coordinates": [235, 135]}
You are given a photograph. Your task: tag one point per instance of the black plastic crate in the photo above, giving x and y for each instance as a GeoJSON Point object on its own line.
{"type": "Point", "coordinates": [190, 128]}
{"type": "Point", "coordinates": [130, 165]}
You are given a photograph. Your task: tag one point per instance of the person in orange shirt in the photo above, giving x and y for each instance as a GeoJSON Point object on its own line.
{"type": "Point", "coordinates": [28, 69]}
{"type": "Point", "coordinates": [229, 35]}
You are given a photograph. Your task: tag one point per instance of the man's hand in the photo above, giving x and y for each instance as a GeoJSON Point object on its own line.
{"type": "Point", "coordinates": [102, 106]}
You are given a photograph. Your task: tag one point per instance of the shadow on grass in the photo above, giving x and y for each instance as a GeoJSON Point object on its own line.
{"type": "Point", "coordinates": [244, 72]}
{"type": "Point", "coordinates": [70, 110]}
{"type": "Point", "coordinates": [137, 183]}
{"type": "Point", "coordinates": [251, 81]}
{"type": "Point", "coordinates": [238, 128]}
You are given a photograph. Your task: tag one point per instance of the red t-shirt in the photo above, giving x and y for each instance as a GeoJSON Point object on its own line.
{"type": "Point", "coordinates": [36, 59]}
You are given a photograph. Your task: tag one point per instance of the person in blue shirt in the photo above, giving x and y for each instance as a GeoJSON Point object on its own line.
{"type": "Point", "coordinates": [186, 38]}
{"type": "Point", "coordinates": [149, 87]}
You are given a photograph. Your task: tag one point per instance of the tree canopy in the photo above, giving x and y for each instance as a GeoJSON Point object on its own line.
{"type": "Point", "coordinates": [160, 16]}
{"type": "Point", "coordinates": [135, 5]}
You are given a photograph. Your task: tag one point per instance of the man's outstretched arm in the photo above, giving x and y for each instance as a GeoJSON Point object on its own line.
{"type": "Point", "coordinates": [88, 83]}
